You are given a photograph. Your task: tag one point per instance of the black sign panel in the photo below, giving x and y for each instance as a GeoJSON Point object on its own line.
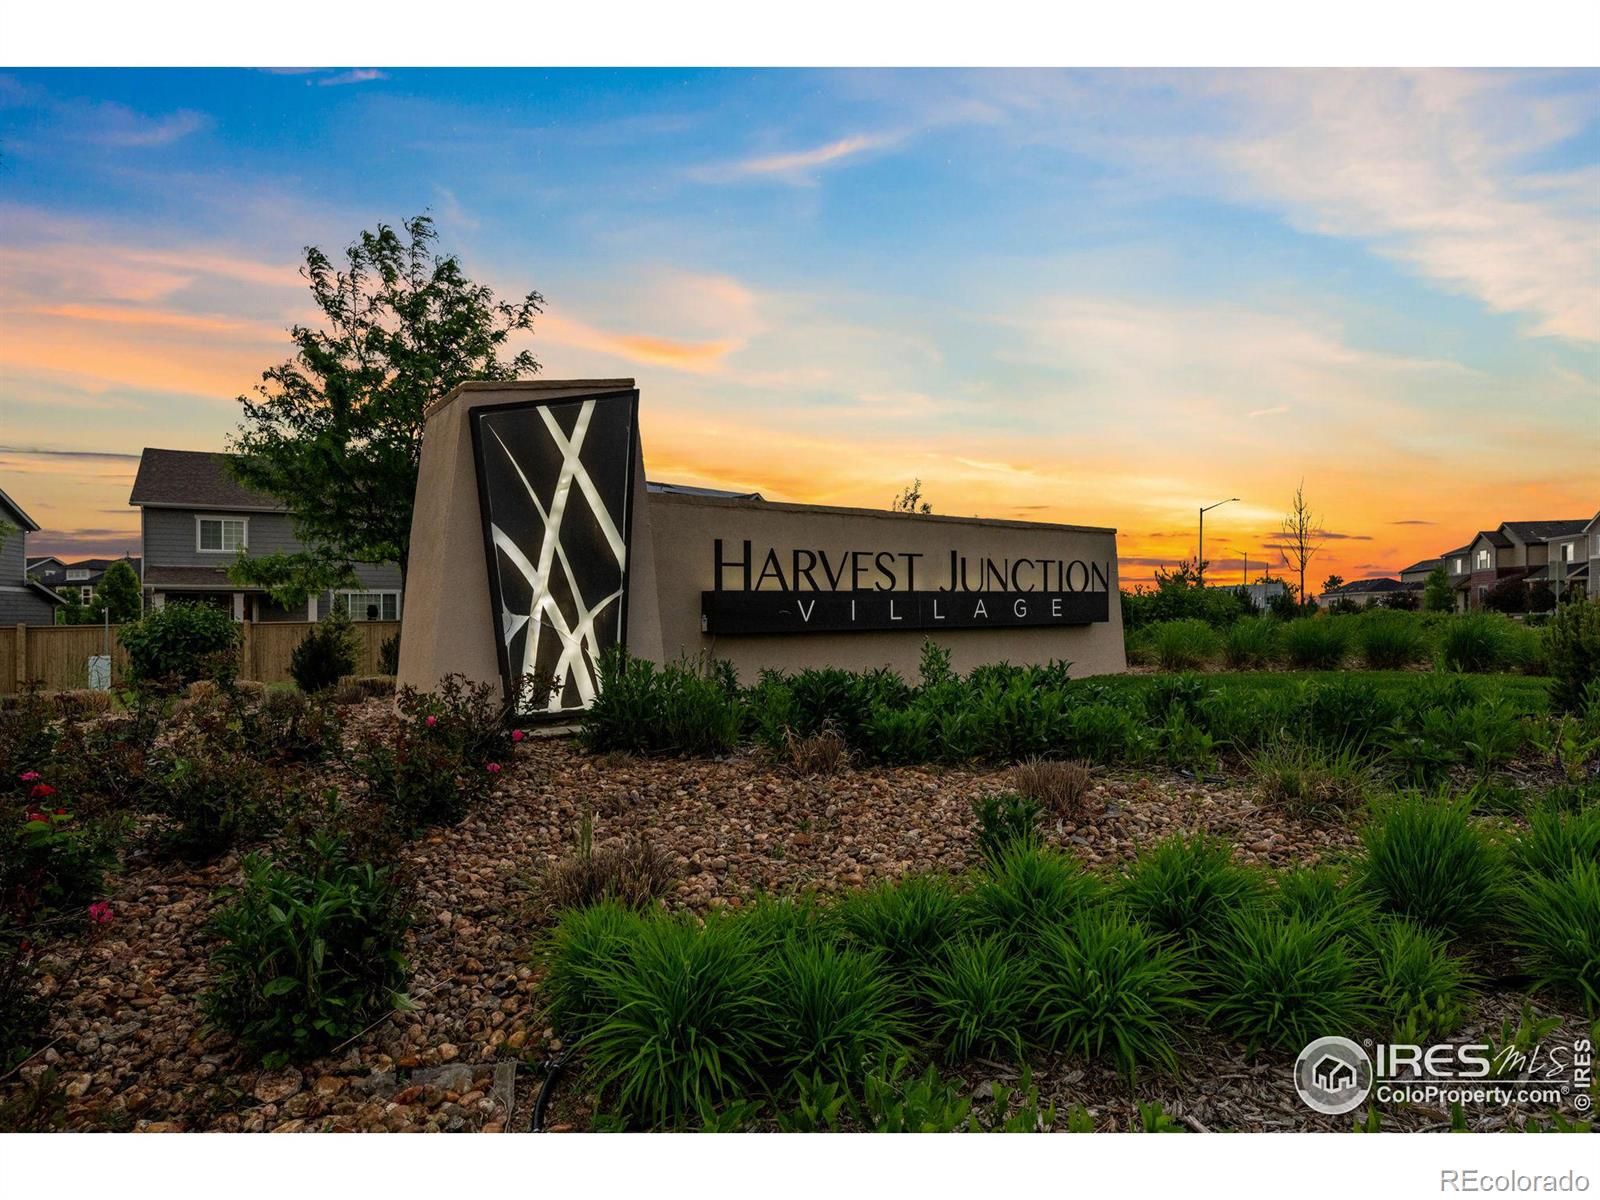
{"type": "Point", "coordinates": [555, 484]}
{"type": "Point", "coordinates": [878, 611]}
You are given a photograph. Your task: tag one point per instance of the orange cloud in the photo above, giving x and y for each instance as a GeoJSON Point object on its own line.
{"type": "Point", "coordinates": [682, 355]}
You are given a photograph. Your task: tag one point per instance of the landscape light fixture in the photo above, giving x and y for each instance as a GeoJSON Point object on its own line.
{"type": "Point", "coordinates": [1200, 557]}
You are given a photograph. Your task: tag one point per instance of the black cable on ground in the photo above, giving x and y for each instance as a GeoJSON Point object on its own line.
{"type": "Point", "coordinates": [551, 1073]}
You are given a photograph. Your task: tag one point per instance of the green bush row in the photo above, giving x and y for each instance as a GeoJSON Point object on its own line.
{"type": "Point", "coordinates": [1380, 640]}
{"type": "Point", "coordinates": [678, 1020]}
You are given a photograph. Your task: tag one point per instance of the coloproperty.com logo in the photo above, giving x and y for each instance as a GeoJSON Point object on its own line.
{"type": "Point", "coordinates": [1336, 1075]}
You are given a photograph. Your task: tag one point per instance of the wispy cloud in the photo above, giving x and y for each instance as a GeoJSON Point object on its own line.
{"type": "Point", "coordinates": [795, 166]}
{"type": "Point", "coordinates": [356, 75]}
{"type": "Point", "coordinates": [1413, 522]}
{"type": "Point", "coordinates": [112, 124]}
{"type": "Point", "coordinates": [1268, 412]}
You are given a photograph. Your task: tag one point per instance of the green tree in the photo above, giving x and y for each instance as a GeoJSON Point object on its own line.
{"type": "Point", "coordinates": [910, 500]}
{"type": "Point", "coordinates": [335, 432]}
{"type": "Point", "coordinates": [1332, 584]}
{"type": "Point", "coordinates": [118, 593]}
{"type": "Point", "coordinates": [1436, 593]}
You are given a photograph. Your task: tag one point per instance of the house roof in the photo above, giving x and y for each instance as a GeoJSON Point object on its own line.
{"type": "Point", "coordinates": [1368, 585]}
{"type": "Point", "coordinates": [684, 489]}
{"type": "Point", "coordinates": [95, 566]}
{"type": "Point", "coordinates": [38, 560]}
{"type": "Point", "coordinates": [29, 525]}
{"type": "Point", "coordinates": [1543, 531]}
{"type": "Point", "coordinates": [1494, 536]}
{"type": "Point", "coordinates": [1426, 564]}
{"type": "Point", "coordinates": [209, 578]}
{"type": "Point", "coordinates": [193, 479]}
{"type": "Point", "coordinates": [48, 594]}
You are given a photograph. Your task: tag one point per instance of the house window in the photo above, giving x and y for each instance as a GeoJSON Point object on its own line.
{"type": "Point", "coordinates": [1483, 560]}
{"type": "Point", "coordinates": [78, 573]}
{"type": "Point", "coordinates": [221, 535]}
{"type": "Point", "coordinates": [368, 606]}
{"type": "Point", "coordinates": [1569, 551]}
{"type": "Point", "coordinates": [85, 594]}
{"type": "Point", "coordinates": [1460, 563]}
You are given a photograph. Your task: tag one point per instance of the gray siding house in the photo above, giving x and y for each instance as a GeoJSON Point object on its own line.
{"type": "Point", "coordinates": [195, 519]}
{"type": "Point", "coordinates": [23, 601]}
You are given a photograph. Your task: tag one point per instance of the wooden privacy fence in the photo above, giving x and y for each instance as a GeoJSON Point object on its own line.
{"type": "Point", "coordinates": [57, 656]}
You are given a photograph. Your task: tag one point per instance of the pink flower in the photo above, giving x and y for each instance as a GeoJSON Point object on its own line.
{"type": "Point", "coordinates": [432, 721]}
{"type": "Point", "coordinates": [516, 735]}
{"type": "Point", "coordinates": [493, 768]}
{"type": "Point", "coordinates": [29, 776]}
{"type": "Point", "coordinates": [100, 912]}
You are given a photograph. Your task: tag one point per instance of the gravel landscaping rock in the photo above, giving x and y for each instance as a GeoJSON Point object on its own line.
{"type": "Point", "coordinates": [131, 1049]}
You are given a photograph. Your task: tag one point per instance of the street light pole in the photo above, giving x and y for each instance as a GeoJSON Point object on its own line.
{"type": "Point", "coordinates": [1200, 558]}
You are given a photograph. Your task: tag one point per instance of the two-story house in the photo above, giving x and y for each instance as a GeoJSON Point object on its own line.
{"type": "Point", "coordinates": [23, 601]}
{"type": "Point", "coordinates": [76, 580]}
{"type": "Point", "coordinates": [195, 519]}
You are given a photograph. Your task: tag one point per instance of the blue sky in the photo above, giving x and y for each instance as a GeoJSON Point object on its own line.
{"type": "Point", "coordinates": [1093, 296]}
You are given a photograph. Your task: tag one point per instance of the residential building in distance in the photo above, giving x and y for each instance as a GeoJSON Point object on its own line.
{"type": "Point", "coordinates": [75, 580]}
{"type": "Point", "coordinates": [195, 519]}
{"type": "Point", "coordinates": [1366, 593]}
{"type": "Point", "coordinates": [23, 601]}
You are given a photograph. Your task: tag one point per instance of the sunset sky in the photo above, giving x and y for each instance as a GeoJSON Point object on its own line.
{"type": "Point", "coordinates": [1096, 297]}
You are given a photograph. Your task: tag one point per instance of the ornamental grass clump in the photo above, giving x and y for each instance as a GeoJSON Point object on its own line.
{"type": "Point", "coordinates": [911, 920]}
{"type": "Point", "coordinates": [1190, 887]}
{"type": "Point", "coordinates": [1427, 859]}
{"type": "Point", "coordinates": [1419, 987]}
{"type": "Point", "coordinates": [1476, 642]}
{"type": "Point", "coordinates": [1557, 839]}
{"type": "Point", "coordinates": [1315, 643]}
{"type": "Point", "coordinates": [1183, 645]}
{"type": "Point", "coordinates": [310, 953]}
{"type": "Point", "coordinates": [1390, 641]}
{"type": "Point", "coordinates": [1059, 788]}
{"type": "Point", "coordinates": [1108, 989]}
{"type": "Point", "coordinates": [687, 1022]}
{"type": "Point", "coordinates": [632, 870]}
{"type": "Point", "coordinates": [978, 998]}
{"type": "Point", "coordinates": [1311, 779]}
{"type": "Point", "coordinates": [585, 947]}
{"type": "Point", "coordinates": [1555, 923]}
{"type": "Point", "coordinates": [1280, 981]}
{"type": "Point", "coordinates": [1250, 643]}
{"type": "Point", "coordinates": [1028, 890]}
{"type": "Point", "coordinates": [835, 1011]}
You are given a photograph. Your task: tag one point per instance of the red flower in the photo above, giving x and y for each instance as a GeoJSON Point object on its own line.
{"type": "Point", "coordinates": [492, 768]}
{"type": "Point", "coordinates": [100, 912]}
{"type": "Point", "coordinates": [516, 735]}
{"type": "Point", "coordinates": [40, 791]}
{"type": "Point", "coordinates": [61, 812]}
{"type": "Point", "coordinates": [35, 816]}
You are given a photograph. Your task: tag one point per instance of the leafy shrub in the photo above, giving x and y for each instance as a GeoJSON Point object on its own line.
{"type": "Point", "coordinates": [1189, 887]}
{"type": "Point", "coordinates": [28, 734]}
{"type": "Point", "coordinates": [1183, 645]}
{"type": "Point", "coordinates": [1281, 981]}
{"type": "Point", "coordinates": [1344, 710]}
{"type": "Point", "coordinates": [1557, 839]}
{"type": "Point", "coordinates": [471, 719]}
{"type": "Point", "coordinates": [1059, 788]}
{"type": "Point", "coordinates": [1477, 642]}
{"type": "Point", "coordinates": [179, 643]}
{"type": "Point", "coordinates": [297, 730]}
{"type": "Point", "coordinates": [325, 655]}
{"type": "Point", "coordinates": [215, 802]}
{"type": "Point", "coordinates": [645, 709]}
{"type": "Point", "coordinates": [1028, 890]}
{"type": "Point", "coordinates": [631, 870]}
{"type": "Point", "coordinates": [1556, 925]}
{"type": "Point", "coordinates": [1427, 860]}
{"type": "Point", "coordinates": [419, 779]}
{"type": "Point", "coordinates": [1004, 819]}
{"type": "Point", "coordinates": [586, 946]}
{"type": "Point", "coordinates": [896, 736]}
{"type": "Point", "coordinates": [894, 1102]}
{"type": "Point", "coordinates": [1419, 988]}
{"type": "Point", "coordinates": [835, 1012]}
{"type": "Point", "coordinates": [1108, 988]}
{"type": "Point", "coordinates": [310, 953]}
{"type": "Point", "coordinates": [51, 861]}
{"type": "Point", "coordinates": [389, 655]}
{"type": "Point", "coordinates": [1311, 779]}
{"type": "Point", "coordinates": [911, 920]}
{"type": "Point", "coordinates": [1250, 642]}
{"type": "Point", "coordinates": [1389, 641]}
{"type": "Point", "coordinates": [1315, 643]}
{"type": "Point", "coordinates": [23, 1012]}
{"type": "Point", "coordinates": [1572, 648]}
{"type": "Point", "coordinates": [687, 1021]}
{"type": "Point", "coordinates": [979, 997]}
